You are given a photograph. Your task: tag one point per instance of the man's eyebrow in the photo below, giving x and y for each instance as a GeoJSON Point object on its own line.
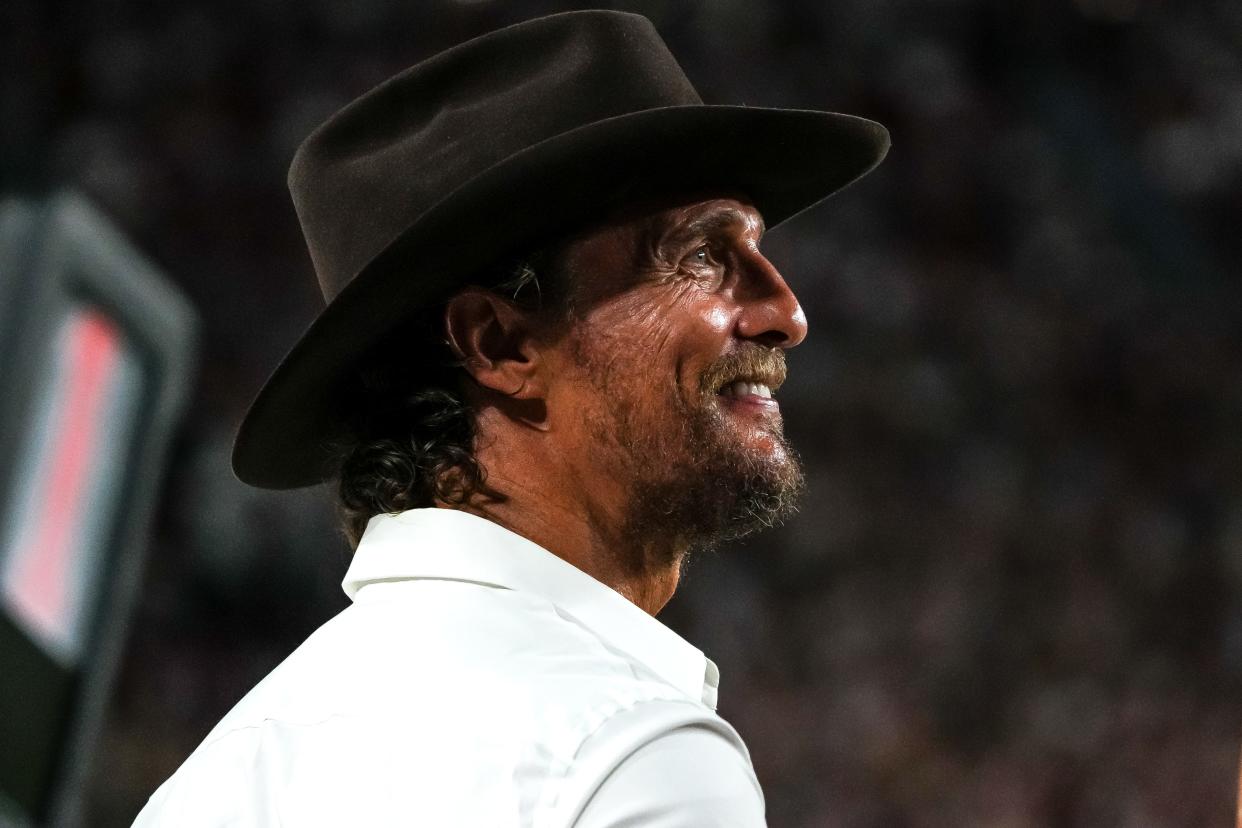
{"type": "Point", "coordinates": [718, 220]}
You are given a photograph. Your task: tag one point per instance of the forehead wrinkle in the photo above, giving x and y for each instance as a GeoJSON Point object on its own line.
{"type": "Point", "coordinates": [704, 221]}
{"type": "Point", "coordinates": [726, 218]}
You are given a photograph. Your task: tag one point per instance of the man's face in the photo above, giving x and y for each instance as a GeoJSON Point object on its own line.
{"type": "Point", "coordinates": [666, 374]}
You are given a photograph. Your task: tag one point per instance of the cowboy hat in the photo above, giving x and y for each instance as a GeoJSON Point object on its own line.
{"type": "Point", "coordinates": [418, 186]}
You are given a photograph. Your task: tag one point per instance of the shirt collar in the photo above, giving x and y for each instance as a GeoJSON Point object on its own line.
{"type": "Point", "coordinates": [450, 544]}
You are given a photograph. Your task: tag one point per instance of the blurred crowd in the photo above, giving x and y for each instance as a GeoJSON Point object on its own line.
{"type": "Point", "coordinates": [1014, 594]}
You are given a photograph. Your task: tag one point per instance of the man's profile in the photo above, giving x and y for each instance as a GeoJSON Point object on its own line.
{"type": "Point", "coordinates": [544, 377]}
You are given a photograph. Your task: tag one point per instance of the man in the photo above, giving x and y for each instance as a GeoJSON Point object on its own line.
{"type": "Point", "coordinates": [544, 377]}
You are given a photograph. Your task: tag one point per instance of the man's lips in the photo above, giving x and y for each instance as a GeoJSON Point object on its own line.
{"type": "Point", "coordinates": [748, 395]}
{"type": "Point", "coordinates": [744, 388]}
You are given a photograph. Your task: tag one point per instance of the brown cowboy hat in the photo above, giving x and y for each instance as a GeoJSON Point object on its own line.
{"type": "Point", "coordinates": [422, 183]}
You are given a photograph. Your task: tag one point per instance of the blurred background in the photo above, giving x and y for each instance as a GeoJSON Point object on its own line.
{"type": "Point", "coordinates": [1014, 594]}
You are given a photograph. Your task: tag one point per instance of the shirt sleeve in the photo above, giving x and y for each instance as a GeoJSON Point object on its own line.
{"type": "Point", "coordinates": [691, 776]}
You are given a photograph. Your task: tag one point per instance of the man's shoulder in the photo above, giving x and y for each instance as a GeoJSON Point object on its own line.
{"type": "Point", "coordinates": [452, 651]}
{"type": "Point", "coordinates": [453, 684]}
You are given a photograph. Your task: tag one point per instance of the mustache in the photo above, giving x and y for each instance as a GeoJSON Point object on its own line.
{"type": "Point", "coordinates": [750, 363]}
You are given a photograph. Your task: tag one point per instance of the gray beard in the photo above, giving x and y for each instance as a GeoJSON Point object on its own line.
{"type": "Point", "coordinates": [693, 487]}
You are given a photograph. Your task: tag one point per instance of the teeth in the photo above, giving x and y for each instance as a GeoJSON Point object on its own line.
{"type": "Point", "coordinates": [742, 389]}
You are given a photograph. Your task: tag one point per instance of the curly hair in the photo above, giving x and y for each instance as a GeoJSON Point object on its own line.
{"type": "Point", "coordinates": [411, 430]}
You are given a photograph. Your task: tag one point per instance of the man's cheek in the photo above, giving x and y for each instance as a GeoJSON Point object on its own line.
{"type": "Point", "coordinates": [645, 333]}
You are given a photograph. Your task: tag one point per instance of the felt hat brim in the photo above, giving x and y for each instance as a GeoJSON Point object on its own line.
{"type": "Point", "coordinates": [782, 160]}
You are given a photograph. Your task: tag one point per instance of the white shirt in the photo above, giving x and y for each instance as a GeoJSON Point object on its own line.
{"type": "Point", "coordinates": [477, 680]}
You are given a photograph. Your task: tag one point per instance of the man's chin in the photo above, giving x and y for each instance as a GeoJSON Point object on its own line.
{"type": "Point", "coordinates": [714, 503]}
{"type": "Point", "coordinates": [766, 497]}
{"type": "Point", "coordinates": [756, 444]}
{"type": "Point", "coordinates": [767, 449]}
{"type": "Point", "coordinates": [723, 477]}
{"type": "Point", "coordinates": [744, 485]}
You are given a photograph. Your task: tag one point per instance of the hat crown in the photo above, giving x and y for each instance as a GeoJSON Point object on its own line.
{"type": "Point", "coordinates": [372, 169]}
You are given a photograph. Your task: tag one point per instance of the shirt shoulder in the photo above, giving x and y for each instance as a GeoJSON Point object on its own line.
{"type": "Point", "coordinates": [357, 771]}
{"type": "Point", "coordinates": [687, 777]}
{"type": "Point", "coordinates": [617, 761]}
{"type": "Point", "coordinates": [466, 651]}
{"type": "Point", "coordinates": [422, 700]}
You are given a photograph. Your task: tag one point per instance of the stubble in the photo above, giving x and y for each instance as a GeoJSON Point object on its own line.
{"type": "Point", "coordinates": [693, 479]}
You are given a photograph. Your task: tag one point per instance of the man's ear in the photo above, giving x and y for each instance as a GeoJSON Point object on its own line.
{"type": "Point", "coordinates": [494, 339]}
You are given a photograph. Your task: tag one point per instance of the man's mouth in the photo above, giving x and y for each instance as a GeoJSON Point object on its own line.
{"type": "Point", "coordinates": [747, 380]}
{"type": "Point", "coordinates": [751, 394]}
{"type": "Point", "coordinates": [743, 388]}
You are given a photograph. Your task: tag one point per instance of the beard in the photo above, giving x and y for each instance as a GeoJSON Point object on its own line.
{"type": "Point", "coordinates": [695, 475]}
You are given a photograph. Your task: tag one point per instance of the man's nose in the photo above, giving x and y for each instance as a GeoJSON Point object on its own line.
{"type": "Point", "coordinates": [770, 314]}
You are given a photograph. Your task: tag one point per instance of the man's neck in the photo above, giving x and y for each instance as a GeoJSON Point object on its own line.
{"type": "Point", "coordinates": [588, 535]}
